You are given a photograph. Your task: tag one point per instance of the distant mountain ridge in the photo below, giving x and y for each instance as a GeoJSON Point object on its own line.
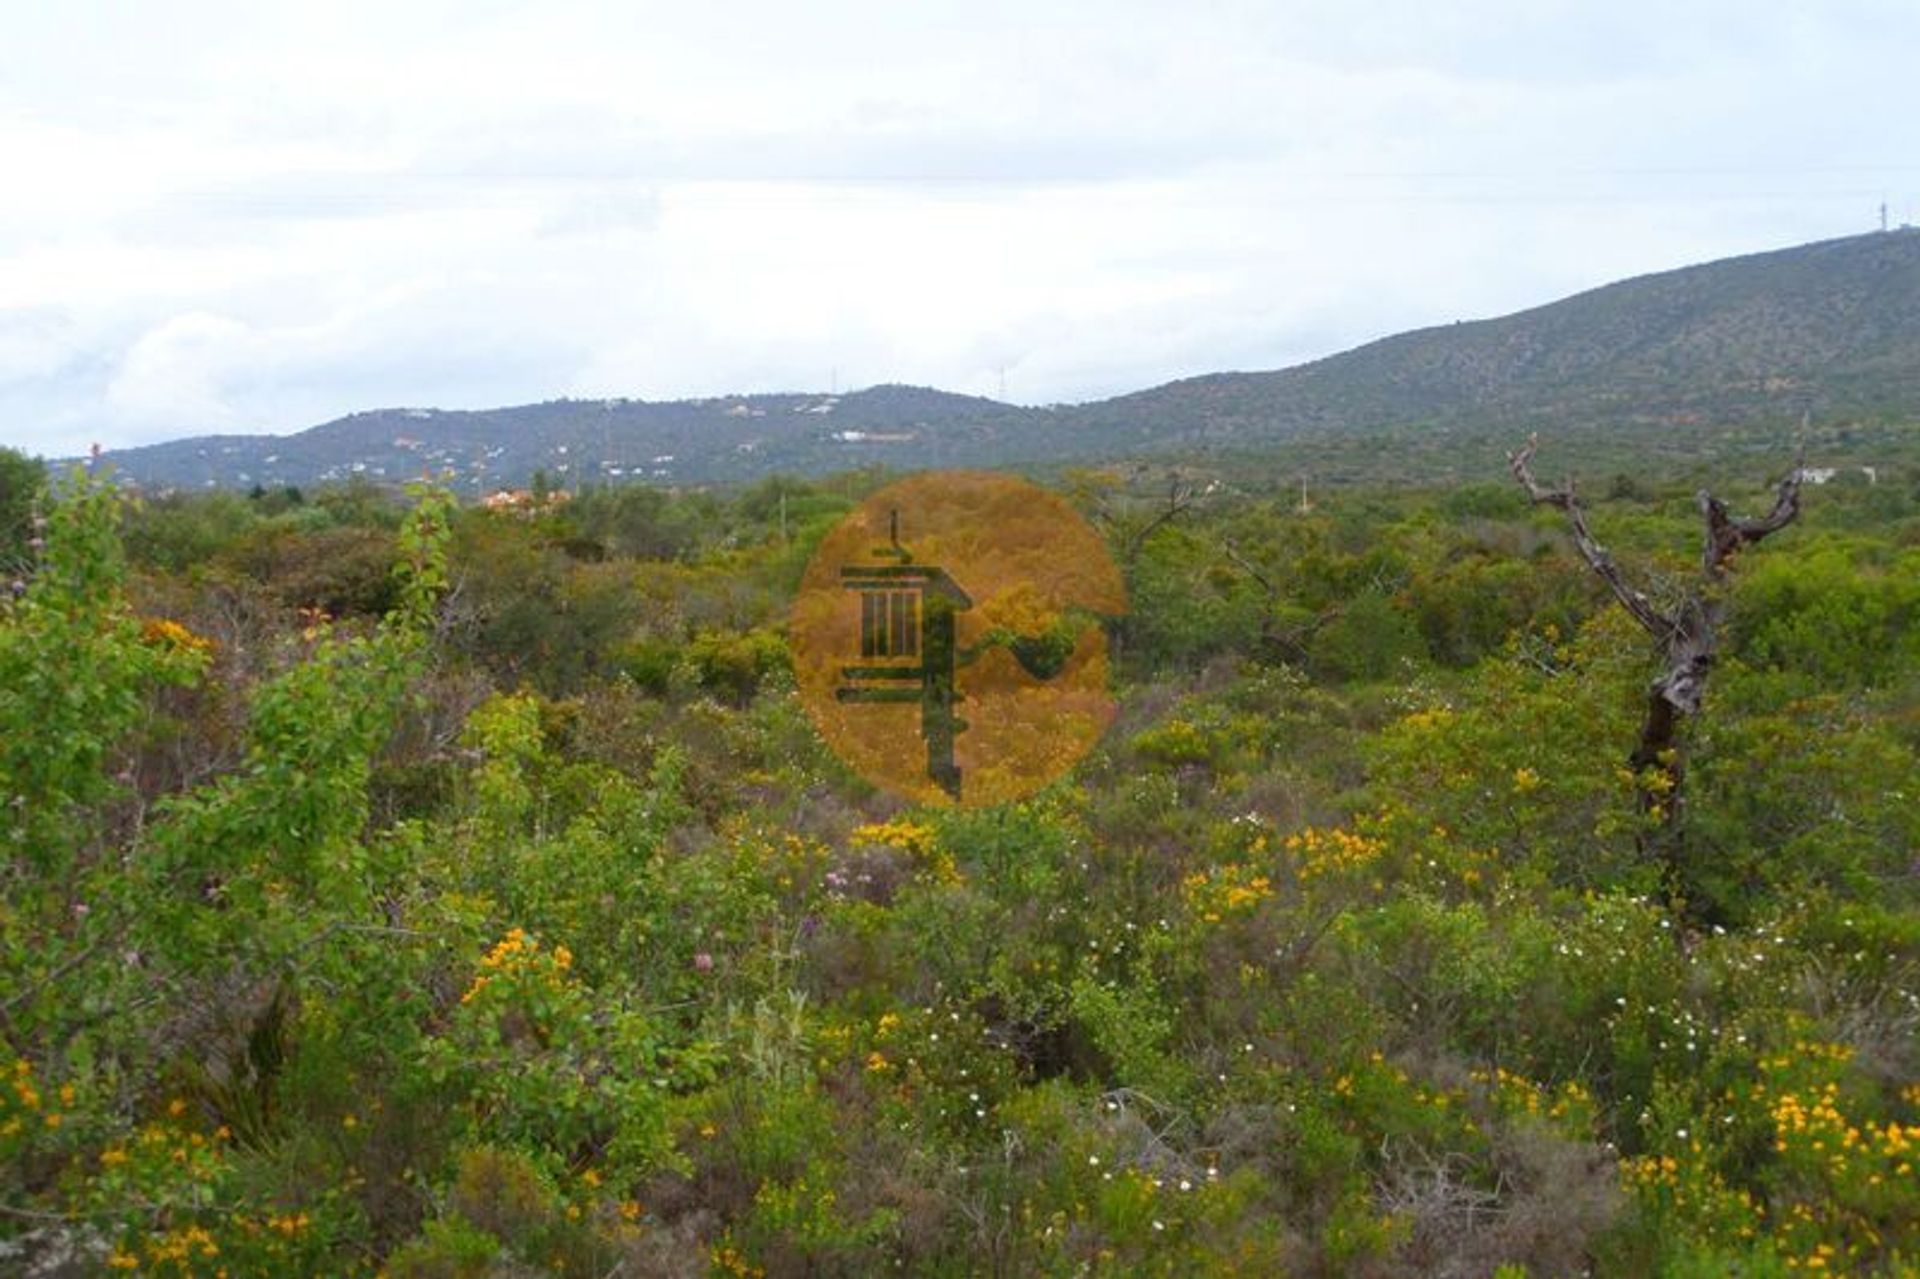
{"type": "Point", "coordinates": [1830, 329]}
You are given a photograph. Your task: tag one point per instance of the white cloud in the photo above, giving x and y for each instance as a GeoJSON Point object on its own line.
{"type": "Point", "coordinates": [177, 372]}
{"type": "Point", "coordinates": [226, 216]}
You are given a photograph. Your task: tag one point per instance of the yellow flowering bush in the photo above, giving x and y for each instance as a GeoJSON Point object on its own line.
{"type": "Point", "coordinates": [1843, 1189]}
{"type": "Point", "coordinates": [517, 963]}
{"type": "Point", "coordinates": [1570, 1107]}
{"type": "Point", "coordinates": [1319, 854]}
{"type": "Point", "coordinates": [164, 632]}
{"type": "Point", "coordinates": [907, 836]}
{"type": "Point", "coordinates": [532, 1060]}
{"type": "Point", "coordinates": [919, 842]}
{"type": "Point", "coordinates": [1223, 891]}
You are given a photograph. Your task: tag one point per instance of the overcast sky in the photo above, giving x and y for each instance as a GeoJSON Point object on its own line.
{"type": "Point", "coordinates": [257, 217]}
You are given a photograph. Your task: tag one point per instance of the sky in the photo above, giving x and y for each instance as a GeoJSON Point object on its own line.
{"type": "Point", "coordinates": [256, 217]}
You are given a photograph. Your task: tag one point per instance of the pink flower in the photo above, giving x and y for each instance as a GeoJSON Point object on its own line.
{"type": "Point", "coordinates": [703, 962]}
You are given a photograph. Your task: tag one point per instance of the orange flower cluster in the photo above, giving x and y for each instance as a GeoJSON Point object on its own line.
{"type": "Point", "coordinates": [1516, 1093]}
{"type": "Point", "coordinates": [1225, 890]}
{"type": "Point", "coordinates": [164, 632]}
{"type": "Point", "coordinates": [22, 1108]}
{"type": "Point", "coordinates": [729, 1260]}
{"type": "Point", "coordinates": [1652, 1170]}
{"type": "Point", "coordinates": [1690, 1186]}
{"type": "Point", "coordinates": [908, 837]}
{"type": "Point", "coordinates": [519, 954]}
{"type": "Point", "coordinates": [1318, 853]}
{"type": "Point", "coordinates": [289, 1224]}
{"type": "Point", "coordinates": [172, 1248]}
{"type": "Point", "coordinates": [1816, 1125]}
{"type": "Point", "coordinates": [919, 842]}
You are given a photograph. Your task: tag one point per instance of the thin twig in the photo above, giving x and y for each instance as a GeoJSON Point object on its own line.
{"type": "Point", "coordinates": [1656, 623]}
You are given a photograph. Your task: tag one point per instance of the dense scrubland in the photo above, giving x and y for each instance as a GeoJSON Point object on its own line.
{"type": "Point", "coordinates": [399, 887]}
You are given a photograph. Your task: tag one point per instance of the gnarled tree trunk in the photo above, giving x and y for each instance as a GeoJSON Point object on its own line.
{"type": "Point", "coordinates": [1686, 639]}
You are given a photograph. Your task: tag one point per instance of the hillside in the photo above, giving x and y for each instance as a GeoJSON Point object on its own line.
{"type": "Point", "coordinates": [1831, 329]}
{"type": "Point", "coordinates": [724, 438]}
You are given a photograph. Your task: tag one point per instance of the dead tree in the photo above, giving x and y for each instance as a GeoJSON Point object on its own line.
{"type": "Point", "coordinates": [1130, 542]}
{"type": "Point", "coordinates": [1686, 637]}
{"type": "Point", "coordinates": [1180, 500]}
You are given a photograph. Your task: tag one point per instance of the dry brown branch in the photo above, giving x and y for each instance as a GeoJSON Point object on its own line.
{"type": "Point", "coordinates": [1726, 534]}
{"type": "Point", "coordinates": [1180, 498]}
{"type": "Point", "coordinates": [1520, 463]}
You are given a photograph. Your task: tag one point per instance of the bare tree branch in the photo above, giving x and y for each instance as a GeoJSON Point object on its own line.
{"type": "Point", "coordinates": [1726, 535]}
{"type": "Point", "coordinates": [1180, 497]}
{"type": "Point", "coordinates": [1247, 566]}
{"type": "Point", "coordinates": [1657, 624]}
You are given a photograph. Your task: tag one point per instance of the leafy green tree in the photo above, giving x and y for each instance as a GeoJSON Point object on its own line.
{"type": "Point", "coordinates": [75, 668]}
{"type": "Point", "coordinates": [180, 531]}
{"type": "Point", "coordinates": [22, 479]}
{"type": "Point", "coordinates": [1369, 639]}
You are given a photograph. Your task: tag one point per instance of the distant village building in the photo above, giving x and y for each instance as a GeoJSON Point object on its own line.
{"type": "Point", "coordinates": [1825, 474]}
{"type": "Point", "coordinates": [523, 501]}
{"type": "Point", "coordinates": [872, 437]}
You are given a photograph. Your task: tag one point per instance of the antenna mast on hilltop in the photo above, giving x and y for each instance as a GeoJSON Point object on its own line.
{"type": "Point", "coordinates": [1883, 215]}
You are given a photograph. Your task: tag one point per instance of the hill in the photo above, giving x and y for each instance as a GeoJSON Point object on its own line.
{"type": "Point", "coordinates": [1830, 329]}
{"type": "Point", "coordinates": [707, 440]}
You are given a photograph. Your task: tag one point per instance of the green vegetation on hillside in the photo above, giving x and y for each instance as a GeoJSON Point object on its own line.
{"type": "Point", "coordinates": [1687, 364]}
{"type": "Point", "coordinates": [412, 889]}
